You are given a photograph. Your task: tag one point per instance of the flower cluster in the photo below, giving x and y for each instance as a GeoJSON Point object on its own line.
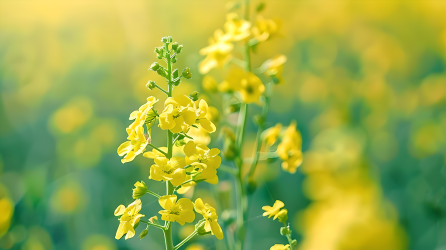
{"type": "Point", "coordinates": [180, 115]}
{"type": "Point", "coordinates": [281, 213]}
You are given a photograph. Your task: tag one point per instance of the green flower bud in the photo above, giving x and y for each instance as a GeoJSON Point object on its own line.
{"type": "Point", "coordinates": [140, 190]}
{"type": "Point", "coordinates": [166, 39]}
{"type": "Point", "coordinates": [155, 66]}
{"type": "Point", "coordinates": [136, 225]}
{"type": "Point", "coordinates": [293, 243]}
{"type": "Point", "coordinates": [150, 85]}
{"type": "Point", "coordinates": [144, 233]}
{"type": "Point", "coordinates": [159, 50]}
{"type": "Point", "coordinates": [194, 96]}
{"type": "Point", "coordinates": [154, 220]}
{"type": "Point", "coordinates": [179, 49]}
{"type": "Point", "coordinates": [283, 215]}
{"type": "Point", "coordinates": [285, 231]}
{"type": "Point", "coordinates": [175, 73]}
{"type": "Point", "coordinates": [199, 227]}
{"type": "Point", "coordinates": [180, 143]}
{"type": "Point", "coordinates": [186, 73]}
{"type": "Point", "coordinates": [174, 59]}
{"type": "Point", "coordinates": [159, 56]}
{"type": "Point", "coordinates": [175, 46]}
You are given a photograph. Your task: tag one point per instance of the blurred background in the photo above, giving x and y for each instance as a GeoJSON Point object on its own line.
{"type": "Point", "coordinates": [365, 81]}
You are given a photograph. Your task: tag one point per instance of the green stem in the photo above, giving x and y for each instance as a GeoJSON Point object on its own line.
{"type": "Point", "coordinates": [157, 149]}
{"type": "Point", "coordinates": [260, 130]}
{"type": "Point", "coordinates": [151, 224]}
{"type": "Point", "coordinates": [227, 169]}
{"type": "Point", "coordinates": [154, 194]}
{"type": "Point", "coordinates": [186, 240]}
{"type": "Point", "coordinates": [162, 90]}
{"type": "Point", "coordinates": [169, 186]}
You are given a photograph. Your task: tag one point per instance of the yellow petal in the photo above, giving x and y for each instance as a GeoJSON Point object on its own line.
{"type": "Point", "coordinates": [199, 206]}
{"type": "Point", "coordinates": [119, 210]}
{"type": "Point", "coordinates": [124, 148]}
{"type": "Point", "coordinates": [167, 201]}
{"type": "Point", "coordinates": [216, 230]}
{"type": "Point", "coordinates": [121, 230]}
{"type": "Point", "coordinates": [178, 177]}
{"type": "Point", "coordinates": [187, 216]}
{"type": "Point", "coordinates": [207, 125]}
{"type": "Point", "coordinates": [189, 148]}
{"type": "Point", "coordinates": [186, 204]}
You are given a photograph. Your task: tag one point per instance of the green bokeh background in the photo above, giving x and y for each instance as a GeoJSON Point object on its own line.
{"type": "Point", "coordinates": [364, 80]}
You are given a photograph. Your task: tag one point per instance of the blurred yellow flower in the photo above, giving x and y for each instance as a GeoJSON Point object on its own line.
{"type": "Point", "coordinates": [6, 212]}
{"type": "Point", "coordinates": [217, 53]}
{"type": "Point", "coordinates": [274, 67]}
{"type": "Point", "coordinates": [200, 135]}
{"type": "Point", "coordinates": [129, 217]}
{"type": "Point", "coordinates": [180, 211]}
{"type": "Point", "coordinates": [290, 149]}
{"type": "Point", "coordinates": [274, 210]}
{"type": "Point", "coordinates": [135, 145]}
{"type": "Point", "coordinates": [236, 28]}
{"type": "Point", "coordinates": [210, 84]}
{"type": "Point", "coordinates": [264, 28]}
{"type": "Point", "coordinates": [248, 84]}
{"type": "Point", "coordinates": [73, 115]}
{"type": "Point", "coordinates": [202, 118]}
{"type": "Point", "coordinates": [169, 170]}
{"type": "Point", "coordinates": [270, 135]}
{"type": "Point", "coordinates": [280, 247]}
{"type": "Point", "coordinates": [205, 161]}
{"type": "Point", "coordinates": [178, 115]}
{"type": "Point", "coordinates": [144, 115]}
{"type": "Point", "coordinates": [210, 215]}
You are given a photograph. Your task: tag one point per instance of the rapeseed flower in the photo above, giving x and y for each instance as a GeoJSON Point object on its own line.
{"type": "Point", "coordinates": [130, 216]}
{"type": "Point", "coordinates": [218, 53]}
{"type": "Point", "coordinates": [203, 114]}
{"type": "Point", "coordinates": [135, 145]}
{"type": "Point", "coordinates": [264, 28]}
{"type": "Point", "coordinates": [180, 211]}
{"type": "Point", "coordinates": [290, 149]}
{"type": "Point", "coordinates": [178, 115]}
{"type": "Point", "coordinates": [247, 83]}
{"type": "Point", "coordinates": [270, 135]}
{"type": "Point", "coordinates": [140, 190]}
{"type": "Point", "coordinates": [205, 161]}
{"type": "Point", "coordinates": [274, 67]}
{"type": "Point", "coordinates": [274, 210]}
{"type": "Point", "coordinates": [210, 215]}
{"type": "Point", "coordinates": [169, 170]}
{"type": "Point", "coordinates": [280, 247]}
{"type": "Point", "coordinates": [155, 153]}
{"type": "Point", "coordinates": [237, 29]}
{"type": "Point", "coordinates": [144, 115]}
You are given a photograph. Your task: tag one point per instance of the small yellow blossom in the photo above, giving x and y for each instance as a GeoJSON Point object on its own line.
{"type": "Point", "coordinates": [178, 115]}
{"type": "Point", "coordinates": [155, 153]}
{"type": "Point", "coordinates": [135, 145]}
{"type": "Point", "coordinates": [274, 67]}
{"type": "Point", "coordinates": [237, 29]}
{"type": "Point", "coordinates": [248, 84]}
{"type": "Point", "coordinates": [169, 170]}
{"type": "Point", "coordinates": [270, 135]}
{"type": "Point", "coordinates": [129, 217]}
{"type": "Point", "coordinates": [205, 161]}
{"type": "Point", "coordinates": [290, 149]}
{"type": "Point", "coordinates": [180, 211]}
{"type": "Point", "coordinates": [280, 247]}
{"type": "Point", "coordinates": [210, 215]}
{"type": "Point", "coordinates": [218, 53]}
{"type": "Point", "coordinates": [140, 190]}
{"type": "Point", "coordinates": [202, 118]}
{"type": "Point", "coordinates": [274, 210]}
{"type": "Point", "coordinates": [144, 115]}
{"type": "Point", "coordinates": [264, 29]}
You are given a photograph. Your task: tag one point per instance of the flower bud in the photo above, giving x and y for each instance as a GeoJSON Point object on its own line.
{"type": "Point", "coordinates": [180, 143]}
{"type": "Point", "coordinates": [284, 231]}
{"type": "Point", "coordinates": [199, 227]}
{"type": "Point", "coordinates": [258, 119]}
{"type": "Point", "coordinates": [186, 73]}
{"type": "Point", "coordinates": [175, 46]}
{"type": "Point", "coordinates": [293, 243]}
{"type": "Point", "coordinates": [154, 220]}
{"type": "Point", "coordinates": [140, 190]}
{"type": "Point", "coordinates": [159, 50]}
{"type": "Point", "coordinates": [179, 49]}
{"type": "Point", "coordinates": [150, 85]}
{"type": "Point", "coordinates": [155, 66]}
{"type": "Point", "coordinates": [174, 59]}
{"type": "Point", "coordinates": [283, 215]}
{"type": "Point", "coordinates": [166, 39]}
{"type": "Point", "coordinates": [144, 233]}
{"type": "Point", "coordinates": [194, 96]}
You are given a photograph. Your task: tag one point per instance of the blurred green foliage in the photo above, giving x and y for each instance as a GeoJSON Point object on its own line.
{"type": "Point", "coordinates": [364, 80]}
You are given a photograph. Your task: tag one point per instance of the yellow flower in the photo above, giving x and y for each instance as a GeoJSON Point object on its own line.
{"type": "Point", "coordinates": [210, 215]}
{"type": "Point", "coordinates": [140, 190]}
{"type": "Point", "coordinates": [270, 135]}
{"type": "Point", "coordinates": [200, 135]}
{"type": "Point", "coordinates": [280, 247]}
{"type": "Point", "coordinates": [274, 67]}
{"type": "Point", "coordinates": [135, 145]}
{"type": "Point", "coordinates": [236, 28]}
{"type": "Point", "coordinates": [155, 153]}
{"type": "Point", "coordinates": [274, 210]}
{"type": "Point", "coordinates": [144, 115]}
{"type": "Point", "coordinates": [290, 149]}
{"type": "Point", "coordinates": [180, 211]}
{"type": "Point", "coordinates": [169, 170]}
{"type": "Point", "coordinates": [210, 84]}
{"type": "Point", "coordinates": [178, 115]}
{"type": "Point", "coordinates": [129, 217]}
{"type": "Point", "coordinates": [248, 84]}
{"type": "Point", "coordinates": [217, 53]}
{"type": "Point", "coordinates": [203, 114]}
{"type": "Point", "coordinates": [264, 28]}
{"type": "Point", "coordinates": [205, 161]}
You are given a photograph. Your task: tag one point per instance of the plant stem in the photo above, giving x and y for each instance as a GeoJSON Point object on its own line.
{"type": "Point", "coordinates": [169, 186]}
{"type": "Point", "coordinates": [153, 193]}
{"type": "Point", "coordinates": [157, 149]}
{"type": "Point", "coordinates": [186, 240]}
{"type": "Point", "coordinates": [151, 224]}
